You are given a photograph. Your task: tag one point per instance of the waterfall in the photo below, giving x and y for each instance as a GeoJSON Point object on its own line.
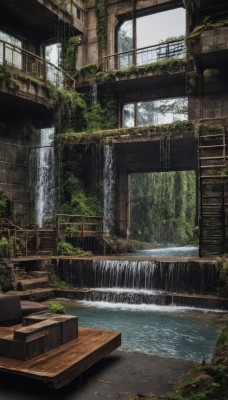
{"type": "Point", "coordinates": [160, 282]}
{"type": "Point", "coordinates": [125, 296]}
{"type": "Point", "coordinates": [108, 189]}
{"type": "Point", "coordinates": [184, 277]}
{"type": "Point", "coordinates": [43, 161]}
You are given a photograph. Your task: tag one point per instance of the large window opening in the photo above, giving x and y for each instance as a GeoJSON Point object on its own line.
{"type": "Point", "coordinates": [10, 52]}
{"type": "Point", "coordinates": [153, 112]}
{"type": "Point", "coordinates": [163, 207]}
{"type": "Point", "coordinates": [52, 54]}
{"type": "Point", "coordinates": [151, 31]}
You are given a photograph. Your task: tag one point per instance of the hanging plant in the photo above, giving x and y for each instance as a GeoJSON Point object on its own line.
{"type": "Point", "coordinates": [69, 51]}
{"type": "Point", "coordinates": [101, 12]}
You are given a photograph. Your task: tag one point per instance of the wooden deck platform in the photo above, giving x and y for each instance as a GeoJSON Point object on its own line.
{"type": "Point", "coordinates": [61, 365]}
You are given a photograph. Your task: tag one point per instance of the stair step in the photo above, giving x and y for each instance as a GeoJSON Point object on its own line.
{"type": "Point", "coordinates": [212, 158]}
{"type": "Point", "coordinates": [215, 135]}
{"type": "Point", "coordinates": [33, 283]}
{"type": "Point", "coordinates": [213, 146]}
{"type": "Point", "coordinates": [212, 166]}
{"type": "Point", "coordinates": [214, 227]}
{"type": "Point", "coordinates": [214, 176]}
{"type": "Point", "coordinates": [45, 253]}
{"type": "Point", "coordinates": [39, 274]}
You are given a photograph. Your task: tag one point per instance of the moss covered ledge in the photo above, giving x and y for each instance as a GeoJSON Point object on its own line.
{"type": "Point", "coordinates": [126, 134]}
{"type": "Point", "coordinates": [93, 71]}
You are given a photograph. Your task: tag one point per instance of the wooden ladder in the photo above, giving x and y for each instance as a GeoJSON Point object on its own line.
{"type": "Point", "coordinates": [213, 189]}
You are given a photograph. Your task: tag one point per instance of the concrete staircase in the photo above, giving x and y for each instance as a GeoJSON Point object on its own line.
{"type": "Point", "coordinates": [27, 280]}
{"type": "Point", "coordinates": [47, 242]}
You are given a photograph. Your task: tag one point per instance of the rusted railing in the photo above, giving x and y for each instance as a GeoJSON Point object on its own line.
{"type": "Point", "coordinates": [21, 241]}
{"type": "Point", "coordinates": [78, 225]}
{"type": "Point", "coordinates": [145, 55]}
{"type": "Point", "coordinates": [31, 64]}
{"type": "Point", "coordinates": [25, 241]}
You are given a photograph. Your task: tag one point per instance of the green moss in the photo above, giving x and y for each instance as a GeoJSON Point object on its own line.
{"type": "Point", "coordinates": [101, 13]}
{"type": "Point", "coordinates": [169, 66]}
{"type": "Point", "coordinates": [206, 26]}
{"type": "Point", "coordinates": [69, 51]}
{"type": "Point", "coordinates": [55, 281]}
{"type": "Point", "coordinates": [4, 247]}
{"type": "Point", "coordinates": [222, 290]}
{"type": "Point", "coordinates": [175, 128]}
{"type": "Point", "coordinates": [87, 71]}
{"type": "Point", "coordinates": [3, 204]}
{"type": "Point", "coordinates": [67, 249]}
{"type": "Point", "coordinates": [8, 78]}
{"type": "Point", "coordinates": [5, 278]}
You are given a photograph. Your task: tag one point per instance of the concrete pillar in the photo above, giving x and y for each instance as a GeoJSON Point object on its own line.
{"type": "Point", "coordinates": [122, 202]}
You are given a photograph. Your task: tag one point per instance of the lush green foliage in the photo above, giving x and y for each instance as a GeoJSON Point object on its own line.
{"type": "Point", "coordinates": [107, 135]}
{"type": "Point", "coordinates": [4, 247]}
{"type": "Point", "coordinates": [68, 56]}
{"type": "Point", "coordinates": [223, 288]}
{"type": "Point", "coordinates": [56, 307]}
{"type": "Point", "coordinates": [169, 66]}
{"type": "Point", "coordinates": [3, 204]}
{"type": "Point", "coordinates": [96, 116]}
{"type": "Point", "coordinates": [101, 13]}
{"type": "Point", "coordinates": [5, 278]}
{"type": "Point", "coordinates": [78, 201]}
{"type": "Point", "coordinates": [163, 207]}
{"type": "Point", "coordinates": [67, 249]}
{"type": "Point", "coordinates": [210, 23]}
{"type": "Point", "coordinates": [55, 281]}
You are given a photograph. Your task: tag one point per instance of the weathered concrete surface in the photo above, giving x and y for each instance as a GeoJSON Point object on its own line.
{"type": "Point", "coordinates": [118, 375]}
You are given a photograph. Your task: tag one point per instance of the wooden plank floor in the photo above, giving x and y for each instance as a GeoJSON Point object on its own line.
{"type": "Point", "coordinates": [61, 365]}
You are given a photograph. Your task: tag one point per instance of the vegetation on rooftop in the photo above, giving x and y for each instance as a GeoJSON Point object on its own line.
{"type": "Point", "coordinates": [175, 128]}
{"type": "Point", "coordinates": [92, 71]}
{"type": "Point", "coordinates": [209, 23]}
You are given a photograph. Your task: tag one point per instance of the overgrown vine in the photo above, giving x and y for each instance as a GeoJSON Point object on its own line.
{"type": "Point", "coordinates": [101, 13]}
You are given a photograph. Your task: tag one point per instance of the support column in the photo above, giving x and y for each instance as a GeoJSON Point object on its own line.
{"type": "Point", "coordinates": [122, 202]}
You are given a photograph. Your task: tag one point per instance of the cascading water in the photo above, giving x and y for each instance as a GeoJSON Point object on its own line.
{"type": "Point", "coordinates": [181, 277]}
{"type": "Point", "coordinates": [140, 281]}
{"type": "Point", "coordinates": [136, 297]}
{"type": "Point", "coordinates": [43, 180]}
{"type": "Point", "coordinates": [108, 189]}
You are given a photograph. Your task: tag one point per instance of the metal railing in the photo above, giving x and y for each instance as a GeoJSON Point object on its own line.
{"type": "Point", "coordinates": [21, 241]}
{"type": "Point", "coordinates": [146, 55]}
{"type": "Point", "coordinates": [26, 241]}
{"type": "Point", "coordinates": [78, 225]}
{"type": "Point", "coordinates": [34, 65]}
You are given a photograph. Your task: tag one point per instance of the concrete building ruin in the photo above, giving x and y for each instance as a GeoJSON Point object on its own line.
{"type": "Point", "coordinates": [109, 60]}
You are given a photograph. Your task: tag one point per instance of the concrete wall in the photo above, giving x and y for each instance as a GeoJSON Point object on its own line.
{"type": "Point", "coordinates": [117, 11]}
{"type": "Point", "coordinates": [15, 140]}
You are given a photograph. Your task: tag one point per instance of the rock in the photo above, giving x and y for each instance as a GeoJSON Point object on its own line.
{"type": "Point", "coordinates": [204, 380]}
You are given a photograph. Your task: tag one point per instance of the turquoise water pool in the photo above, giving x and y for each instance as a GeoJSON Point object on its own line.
{"type": "Point", "coordinates": [174, 251]}
{"type": "Point", "coordinates": [167, 331]}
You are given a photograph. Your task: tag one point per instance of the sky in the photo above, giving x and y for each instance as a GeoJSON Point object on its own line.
{"type": "Point", "coordinates": [155, 28]}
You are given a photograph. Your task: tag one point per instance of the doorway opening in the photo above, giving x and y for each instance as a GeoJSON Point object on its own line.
{"type": "Point", "coordinates": [162, 208]}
